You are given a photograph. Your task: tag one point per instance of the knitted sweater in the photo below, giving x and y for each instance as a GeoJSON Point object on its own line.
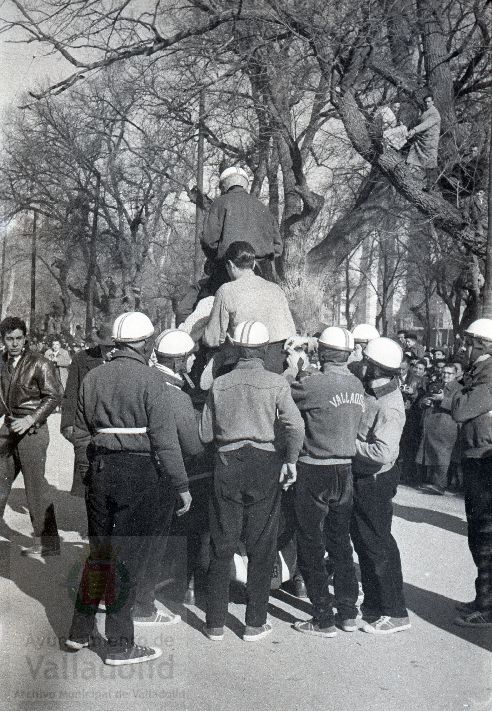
{"type": "Point", "coordinates": [331, 403]}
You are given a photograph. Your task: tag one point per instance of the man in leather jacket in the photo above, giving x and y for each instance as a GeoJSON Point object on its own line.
{"type": "Point", "coordinates": [29, 391]}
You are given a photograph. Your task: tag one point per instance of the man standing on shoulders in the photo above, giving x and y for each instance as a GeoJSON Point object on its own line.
{"type": "Point", "coordinates": [331, 404]}
{"type": "Point", "coordinates": [30, 391]}
{"type": "Point", "coordinates": [237, 215]}
{"type": "Point", "coordinates": [472, 408]}
{"type": "Point", "coordinates": [125, 433]}
{"type": "Point", "coordinates": [375, 483]}
{"type": "Point", "coordinates": [248, 297]}
{"type": "Point", "coordinates": [241, 416]}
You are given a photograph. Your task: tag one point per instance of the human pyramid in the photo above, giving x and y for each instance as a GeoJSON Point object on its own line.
{"type": "Point", "coordinates": [262, 416]}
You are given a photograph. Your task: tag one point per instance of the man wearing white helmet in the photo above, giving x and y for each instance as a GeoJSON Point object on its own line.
{"type": "Point", "coordinates": [331, 403]}
{"type": "Point", "coordinates": [362, 333]}
{"type": "Point", "coordinates": [237, 215]}
{"type": "Point", "coordinates": [472, 408]}
{"type": "Point", "coordinates": [125, 433]}
{"type": "Point", "coordinates": [241, 416]}
{"type": "Point", "coordinates": [376, 478]}
{"type": "Point", "coordinates": [173, 352]}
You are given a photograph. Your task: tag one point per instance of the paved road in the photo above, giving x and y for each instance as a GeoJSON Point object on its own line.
{"type": "Point", "coordinates": [436, 666]}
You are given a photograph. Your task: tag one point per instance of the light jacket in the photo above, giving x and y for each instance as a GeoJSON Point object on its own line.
{"type": "Point", "coordinates": [473, 408]}
{"type": "Point", "coordinates": [126, 393]}
{"type": "Point", "coordinates": [423, 152]}
{"type": "Point", "coordinates": [380, 430]}
{"type": "Point", "coordinates": [244, 406]}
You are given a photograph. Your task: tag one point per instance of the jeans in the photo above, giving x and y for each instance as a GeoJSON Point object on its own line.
{"type": "Point", "coordinates": [122, 497]}
{"type": "Point", "coordinates": [324, 508]}
{"type": "Point", "coordinates": [379, 557]}
{"type": "Point", "coordinates": [245, 504]}
{"type": "Point", "coordinates": [477, 481]}
{"type": "Point", "coordinates": [152, 562]}
{"type": "Point", "coordinates": [28, 453]}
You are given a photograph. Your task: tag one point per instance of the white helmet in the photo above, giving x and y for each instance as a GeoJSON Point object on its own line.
{"type": "Point", "coordinates": [251, 334]}
{"type": "Point", "coordinates": [338, 338]}
{"type": "Point", "coordinates": [385, 353]}
{"type": "Point", "coordinates": [131, 327]}
{"type": "Point", "coordinates": [481, 328]}
{"type": "Point", "coordinates": [173, 343]}
{"type": "Point", "coordinates": [234, 176]}
{"type": "Point", "coordinates": [364, 332]}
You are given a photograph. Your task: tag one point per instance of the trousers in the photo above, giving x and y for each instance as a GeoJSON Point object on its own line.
{"type": "Point", "coordinates": [324, 509]}
{"type": "Point", "coordinates": [379, 557]}
{"type": "Point", "coordinates": [245, 500]}
{"type": "Point", "coordinates": [477, 481]}
{"type": "Point", "coordinates": [122, 496]}
{"type": "Point", "coordinates": [28, 454]}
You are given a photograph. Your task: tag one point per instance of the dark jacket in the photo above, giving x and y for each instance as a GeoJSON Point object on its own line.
{"type": "Point", "coordinates": [473, 408]}
{"type": "Point", "coordinates": [82, 363]}
{"type": "Point", "coordinates": [331, 404]}
{"type": "Point", "coordinates": [439, 430]}
{"type": "Point", "coordinates": [185, 416]}
{"type": "Point", "coordinates": [35, 388]}
{"type": "Point", "coordinates": [126, 393]}
{"type": "Point", "coordinates": [239, 216]}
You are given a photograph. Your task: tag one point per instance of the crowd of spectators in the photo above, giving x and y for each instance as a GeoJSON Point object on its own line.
{"type": "Point", "coordinates": [429, 451]}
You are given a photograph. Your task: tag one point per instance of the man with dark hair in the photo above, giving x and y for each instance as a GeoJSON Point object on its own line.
{"type": "Point", "coordinates": [29, 391]}
{"type": "Point", "coordinates": [412, 346]}
{"type": "Point", "coordinates": [423, 151]}
{"type": "Point", "coordinates": [248, 297]}
{"type": "Point", "coordinates": [82, 363]}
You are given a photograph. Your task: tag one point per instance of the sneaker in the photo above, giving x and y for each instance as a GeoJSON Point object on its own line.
{"type": "Point", "coordinates": [347, 624]}
{"type": "Point", "coordinates": [466, 607]}
{"type": "Point", "coordinates": [39, 552]}
{"type": "Point", "coordinates": [251, 634]}
{"type": "Point", "coordinates": [216, 634]}
{"type": "Point", "coordinates": [157, 618]}
{"type": "Point", "coordinates": [312, 627]}
{"type": "Point", "coordinates": [475, 619]}
{"type": "Point", "coordinates": [386, 625]}
{"type": "Point", "coordinates": [76, 644]}
{"type": "Point", "coordinates": [132, 655]}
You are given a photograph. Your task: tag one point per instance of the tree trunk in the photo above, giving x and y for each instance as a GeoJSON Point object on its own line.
{"type": "Point", "coordinates": [487, 287]}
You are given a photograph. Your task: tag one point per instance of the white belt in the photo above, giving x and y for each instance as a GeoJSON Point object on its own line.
{"type": "Point", "coordinates": [122, 430]}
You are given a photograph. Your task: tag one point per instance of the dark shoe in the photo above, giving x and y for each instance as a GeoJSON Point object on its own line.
{"type": "Point", "coordinates": [299, 586]}
{"type": "Point", "coordinates": [347, 624]}
{"type": "Point", "coordinates": [477, 620]}
{"type": "Point", "coordinates": [252, 634]}
{"type": "Point", "coordinates": [312, 627]}
{"type": "Point", "coordinates": [132, 655]}
{"type": "Point", "coordinates": [466, 607]}
{"type": "Point", "coordinates": [216, 634]}
{"type": "Point", "coordinates": [434, 489]}
{"type": "Point", "coordinates": [386, 625]}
